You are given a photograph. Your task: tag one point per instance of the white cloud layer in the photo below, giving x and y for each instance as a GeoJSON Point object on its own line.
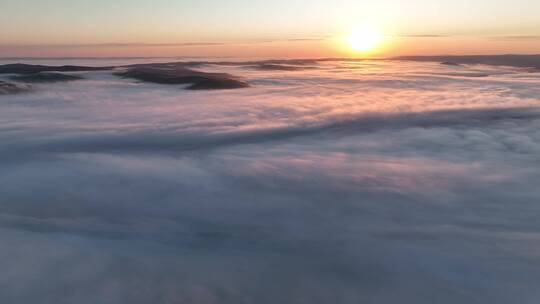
{"type": "Point", "coordinates": [366, 182]}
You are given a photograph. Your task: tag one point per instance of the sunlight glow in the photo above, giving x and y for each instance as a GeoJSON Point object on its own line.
{"type": "Point", "coordinates": [364, 38]}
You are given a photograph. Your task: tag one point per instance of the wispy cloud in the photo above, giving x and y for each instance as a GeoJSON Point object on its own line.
{"type": "Point", "coordinates": [116, 45]}
{"type": "Point", "coordinates": [423, 35]}
{"type": "Point", "coordinates": [515, 37]}
{"type": "Point", "coordinates": [172, 44]}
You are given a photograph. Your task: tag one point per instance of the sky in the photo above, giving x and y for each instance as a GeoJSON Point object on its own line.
{"type": "Point", "coordinates": [257, 28]}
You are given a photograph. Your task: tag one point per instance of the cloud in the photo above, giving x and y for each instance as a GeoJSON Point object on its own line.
{"type": "Point", "coordinates": [117, 45]}
{"type": "Point", "coordinates": [357, 182]}
{"type": "Point", "coordinates": [516, 37]}
{"type": "Point", "coordinates": [423, 36]}
{"type": "Point", "coordinates": [163, 44]}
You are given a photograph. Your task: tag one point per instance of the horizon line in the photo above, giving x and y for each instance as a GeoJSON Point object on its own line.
{"type": "Point", "coordinates": [270, 58]}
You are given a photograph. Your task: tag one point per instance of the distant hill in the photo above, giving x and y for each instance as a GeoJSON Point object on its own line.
{"type": "Point", "coordinates": [524, 61]}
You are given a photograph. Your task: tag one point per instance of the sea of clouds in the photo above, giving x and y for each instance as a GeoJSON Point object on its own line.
{"type": "Point", "coordinates": [345, 182]}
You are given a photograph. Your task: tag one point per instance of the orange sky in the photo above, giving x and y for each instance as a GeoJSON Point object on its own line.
{"type": "Point", "coordinates": [335, 47]}
{"type": "Point", "coordinates": [257, 28]}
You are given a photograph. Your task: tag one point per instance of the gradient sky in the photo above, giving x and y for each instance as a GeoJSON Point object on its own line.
{"type": "Point", "coordinates": [261, 28]}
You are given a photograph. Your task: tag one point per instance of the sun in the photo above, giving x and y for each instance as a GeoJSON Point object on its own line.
{"type": "Point", "coordinates": [364, 38]}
